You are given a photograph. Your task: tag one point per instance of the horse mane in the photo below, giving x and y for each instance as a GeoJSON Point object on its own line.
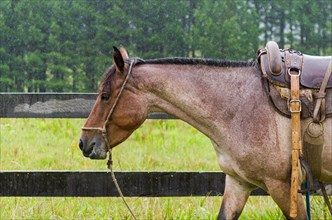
{"type": "Point", "coordinates": [177, 61]}
{"type": "Point", "coordinates": [198, 61]}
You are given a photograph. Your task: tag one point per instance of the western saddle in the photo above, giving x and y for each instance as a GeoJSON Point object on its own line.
{"type": "Point", "coordinates": [300, 86]}
{"type": "Point", "coordinates": [276, 64]}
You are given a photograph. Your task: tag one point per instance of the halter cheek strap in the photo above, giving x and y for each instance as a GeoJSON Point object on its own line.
{"type": "Point", "coordinates": [103, 129]}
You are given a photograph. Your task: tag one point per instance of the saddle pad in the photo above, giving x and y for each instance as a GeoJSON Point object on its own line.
{"type": "Point", "coordinates": [280, 97]}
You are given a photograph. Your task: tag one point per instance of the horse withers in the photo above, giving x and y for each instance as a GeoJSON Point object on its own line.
{"type": "Point", "coordinates": [225, 100]}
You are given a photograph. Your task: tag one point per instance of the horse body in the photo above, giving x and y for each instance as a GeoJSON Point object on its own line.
{"type": "Point", "coordinates": [226, 103]}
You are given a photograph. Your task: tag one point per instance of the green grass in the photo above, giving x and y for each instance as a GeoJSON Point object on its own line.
{"type": "Point", "coordinates": [51, 144]}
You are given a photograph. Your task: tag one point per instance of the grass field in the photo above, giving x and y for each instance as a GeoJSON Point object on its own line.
{"type": "Point", "coordinates": [51, 144]}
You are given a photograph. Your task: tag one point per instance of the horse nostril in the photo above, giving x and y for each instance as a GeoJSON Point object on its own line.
{"type": "Point", "coordinates": [81, 145]}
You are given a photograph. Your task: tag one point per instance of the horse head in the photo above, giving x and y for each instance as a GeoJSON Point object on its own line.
{"type": "Point", "coordinates": [117, 112]}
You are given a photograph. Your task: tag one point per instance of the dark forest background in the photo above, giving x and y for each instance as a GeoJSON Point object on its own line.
{"type": "Point", "coordinates": [65, 45]}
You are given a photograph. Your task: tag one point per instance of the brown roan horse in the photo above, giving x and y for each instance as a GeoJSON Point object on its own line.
{"type": "Point", "coordinates": [225, 100]}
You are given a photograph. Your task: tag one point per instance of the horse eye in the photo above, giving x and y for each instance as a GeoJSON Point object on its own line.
{"type": "Point", "coordinates": [105, 96]}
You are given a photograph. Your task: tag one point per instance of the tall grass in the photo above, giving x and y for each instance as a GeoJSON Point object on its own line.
{"type": "Point", "coordinates": [52, 144]}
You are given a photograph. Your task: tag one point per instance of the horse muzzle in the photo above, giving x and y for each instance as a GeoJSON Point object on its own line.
{"type": "Point", "coordinates": [95, 149]}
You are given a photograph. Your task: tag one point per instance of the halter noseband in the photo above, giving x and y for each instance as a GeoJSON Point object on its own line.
{"type": "Point", "coordinates": [103, 129]}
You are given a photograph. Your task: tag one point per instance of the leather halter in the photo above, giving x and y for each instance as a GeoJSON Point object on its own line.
{"type": "Point", "coordinates": [103, 129]}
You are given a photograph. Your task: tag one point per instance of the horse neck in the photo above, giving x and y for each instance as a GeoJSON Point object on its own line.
{"type": "Point", "coordinates": [203, 96]}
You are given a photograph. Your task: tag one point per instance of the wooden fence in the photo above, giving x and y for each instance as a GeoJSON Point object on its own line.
{"type": "Point", "coordinates": [93, 183]}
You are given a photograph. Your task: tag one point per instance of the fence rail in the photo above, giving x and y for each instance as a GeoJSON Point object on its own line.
{"type": "Point", "coordinates": [93, 183]}
{"type": "Point", "coordinates": [99, 183]}
{"type": "Point", "coordinates": [52, 105]}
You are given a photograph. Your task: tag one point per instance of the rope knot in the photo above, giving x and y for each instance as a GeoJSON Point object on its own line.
{"type": "Point", "coordinates": [110, 161]}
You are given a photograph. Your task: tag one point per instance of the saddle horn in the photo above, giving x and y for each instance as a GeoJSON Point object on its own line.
{"type": "Point", "coordinates": [274, 57]}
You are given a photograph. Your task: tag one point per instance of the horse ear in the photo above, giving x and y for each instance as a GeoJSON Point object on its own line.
{"type": "Point", "coordinates": [124, 53]}
{"type": "Point", "coordinates": [118, 59]}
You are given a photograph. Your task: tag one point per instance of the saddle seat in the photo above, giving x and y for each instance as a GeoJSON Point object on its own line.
{"type": "Point", "coordinates": [275, 65]}
{"type": "Point", "coordinates": [313, 71]}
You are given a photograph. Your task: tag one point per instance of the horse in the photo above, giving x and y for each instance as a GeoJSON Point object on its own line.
{"type": "Point", "coordinates": [225, 100]}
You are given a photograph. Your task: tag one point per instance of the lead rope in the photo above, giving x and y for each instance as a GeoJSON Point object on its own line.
{"type": "Point", "coordinates": [109, 165]}
{"type": "Point", "coordinates": [104, 134]}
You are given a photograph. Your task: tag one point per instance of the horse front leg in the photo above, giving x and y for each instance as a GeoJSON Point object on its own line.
{"type": "Point", "coordinates": [280, 193]}
{"type": "Point", "coordinates": [235, 197]}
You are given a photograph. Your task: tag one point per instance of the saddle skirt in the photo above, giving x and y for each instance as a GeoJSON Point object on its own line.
{"type": "Point", "coordinates": [312, 70]}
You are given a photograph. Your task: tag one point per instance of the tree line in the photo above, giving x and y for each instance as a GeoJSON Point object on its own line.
{"type": "Point", "coordinates": [65, 45]}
